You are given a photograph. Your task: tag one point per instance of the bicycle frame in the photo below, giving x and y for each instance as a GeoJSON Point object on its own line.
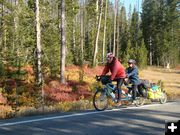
{"type": "Point", "coordinates": [119, 92]}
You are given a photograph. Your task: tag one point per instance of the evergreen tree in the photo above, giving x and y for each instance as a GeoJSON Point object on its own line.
{"type": "Point", "coordinates": [160, 30]}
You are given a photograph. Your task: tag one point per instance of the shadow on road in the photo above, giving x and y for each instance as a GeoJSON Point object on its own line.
{"type": "Point", "coordinates": [124, 122]}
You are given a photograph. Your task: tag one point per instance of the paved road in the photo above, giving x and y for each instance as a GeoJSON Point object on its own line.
{"type": "Point", "coordinates": [146, 120]}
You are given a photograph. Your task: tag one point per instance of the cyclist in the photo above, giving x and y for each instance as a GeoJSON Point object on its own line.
{"type": "Point", "coordinates": [116, 68]}
{"type": "Point", "coordinates": [132, 74]}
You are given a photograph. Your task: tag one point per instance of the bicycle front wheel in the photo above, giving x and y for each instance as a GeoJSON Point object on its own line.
{"type": "Point", "coordinates": [100, 100]}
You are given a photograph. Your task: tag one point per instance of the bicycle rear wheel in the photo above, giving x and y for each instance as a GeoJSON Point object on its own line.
{"type": "Point", "coordinates": [100, 100]}
{"type": "Point", "coordinates": [163, 99]}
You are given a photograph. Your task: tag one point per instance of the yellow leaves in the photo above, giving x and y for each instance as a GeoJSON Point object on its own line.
{"type": "Point", "coordinates": [5, 112]}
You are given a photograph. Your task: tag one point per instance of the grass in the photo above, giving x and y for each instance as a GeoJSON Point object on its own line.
{"type": "Point", "coordinates": [7, 111]}
{"type": "Point", "coordinates": [170, 78]}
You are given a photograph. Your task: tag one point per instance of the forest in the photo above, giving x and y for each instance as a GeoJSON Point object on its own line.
{"type": "Point", "coordinates": [43, 39]}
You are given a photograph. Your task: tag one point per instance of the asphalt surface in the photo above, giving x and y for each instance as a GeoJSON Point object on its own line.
{"type": "Point", "coordinates": [145, 120]}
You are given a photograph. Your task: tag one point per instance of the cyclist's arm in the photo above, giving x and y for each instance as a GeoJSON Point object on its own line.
{"type": "Point", "coordinates": [134, 71]}
{"type": "Point", "coordinates": [105, 70]}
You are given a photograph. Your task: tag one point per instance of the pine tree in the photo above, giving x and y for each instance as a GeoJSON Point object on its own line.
{"type": "Point", "coordinates": [159, 23]}
{"type": "Point", "coordinates": [141, 57]}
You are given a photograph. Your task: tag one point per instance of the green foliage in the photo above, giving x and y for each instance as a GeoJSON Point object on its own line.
{"type": "Point", "coordinates": [134, 28]}
{"type": "Point", "coordinates": [127, 53]}
{"type": "Point", "coordinates": [142, 56]}
{"type": "Point", "coordinates": [160, 24]}
{"type": "Point", "coordinates": [2, 69]}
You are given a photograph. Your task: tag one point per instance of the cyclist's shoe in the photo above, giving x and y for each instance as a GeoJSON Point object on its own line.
{"type": "Point", "coordinates": [129, 95]}
{"type": "Point", "coordinates": [115, 100]}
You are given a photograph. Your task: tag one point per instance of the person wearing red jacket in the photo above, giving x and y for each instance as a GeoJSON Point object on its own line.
{"type": "Point", "coordinates": [116, 68]}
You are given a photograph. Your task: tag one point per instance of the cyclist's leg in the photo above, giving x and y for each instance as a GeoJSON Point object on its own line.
{"type": "Point", "coordinates": [134, 89]}
{"type": "Point", "coordinates": [119, 84]}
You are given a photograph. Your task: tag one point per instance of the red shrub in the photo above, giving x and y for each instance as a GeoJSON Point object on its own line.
{"type": "Point", "coordinates": [28, 69]}
{"type": "Point", "coordinates": [93, 71]}
{"type": "Point", "coordinates": [62, 97]}
{"type": "Point", "coordinates": [72, 67]}
{"type": "Point", "coordinates": [55, 91]}
{"type": "Point", "coordinates": [3, 100]}
{"type": "Point", "coordinates": [10, 84]}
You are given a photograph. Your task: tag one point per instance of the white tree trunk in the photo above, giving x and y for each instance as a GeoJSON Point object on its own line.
{"type": "Point", "coordinates": [97, 35]}
{"type": "Point", "coordinates": [82, 32]}
{"type": "Point", "coordinates": [118, 34]}
{"type": "Point", "coordinates": [150, 53]}
{"type": "Point", "coordinates": [115, 14]}
{"type": "Point", "coordinates": [74, 35]}
{"type": "Point", "coordinates": [63, 42]}
{"type": "Point", "coordinates": [97, 11]}
{"type": "Point", "coordinates": [16, 23]}
{"type": "Point", "coordinates": [38, 44]}
{"type": "Point", "coordinates": [104, 37]}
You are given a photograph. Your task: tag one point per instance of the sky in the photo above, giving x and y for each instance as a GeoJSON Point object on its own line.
{"type": "Point", "coordinates": [132, 2]}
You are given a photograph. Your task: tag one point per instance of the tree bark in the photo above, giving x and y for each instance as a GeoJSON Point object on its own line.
{"type": "Point", "coordinates": [82, 32]}
{"type": "Point", "coordinates": [97, 11]}
{"type": "Point", "coordinates": [150, 53]}
{"type": "Point", "coordinates": [16, 22]}
{"type": "Point", "coordinates": [104, 37]}
{"type": "Point", "coordinates": [38, 45]}
{"type": "Point", "coordinates": [115, 14]}
{"type": "Point", "coordinates": [118, 34]}
{"type": "Point", "coordinates": [97, 35]}
{"type": "Point", "coordinates": [4, 30]}
{"type": "Point", "coordinates": [74, 35]}
{"type": "Point", "coordinates": [63, 42]}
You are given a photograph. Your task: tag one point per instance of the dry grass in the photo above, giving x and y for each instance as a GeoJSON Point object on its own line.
{"type": "Point", "coordinates": [170, 78]}
{"type": "Point", "coordinates": [7, 112]}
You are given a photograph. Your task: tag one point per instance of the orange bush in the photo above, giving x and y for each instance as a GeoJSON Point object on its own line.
{"type": "Point", "coordinates": [28, 69]}
{"type": "Point", "coordinates": [3, 100]}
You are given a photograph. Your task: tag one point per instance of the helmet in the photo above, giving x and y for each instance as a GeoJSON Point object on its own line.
{"type": "Point", "coordinates": [131, 61]}
{"type": "Point", "coordinates": [109, 55]}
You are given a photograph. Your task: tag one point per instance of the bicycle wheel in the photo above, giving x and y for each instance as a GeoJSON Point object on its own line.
{"type": "Point", "coordinates": [100, 100]}
{"type": "Point", "coordinates": [139, 101]}
{"type": "Point", "coordinates": [163, 99]}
